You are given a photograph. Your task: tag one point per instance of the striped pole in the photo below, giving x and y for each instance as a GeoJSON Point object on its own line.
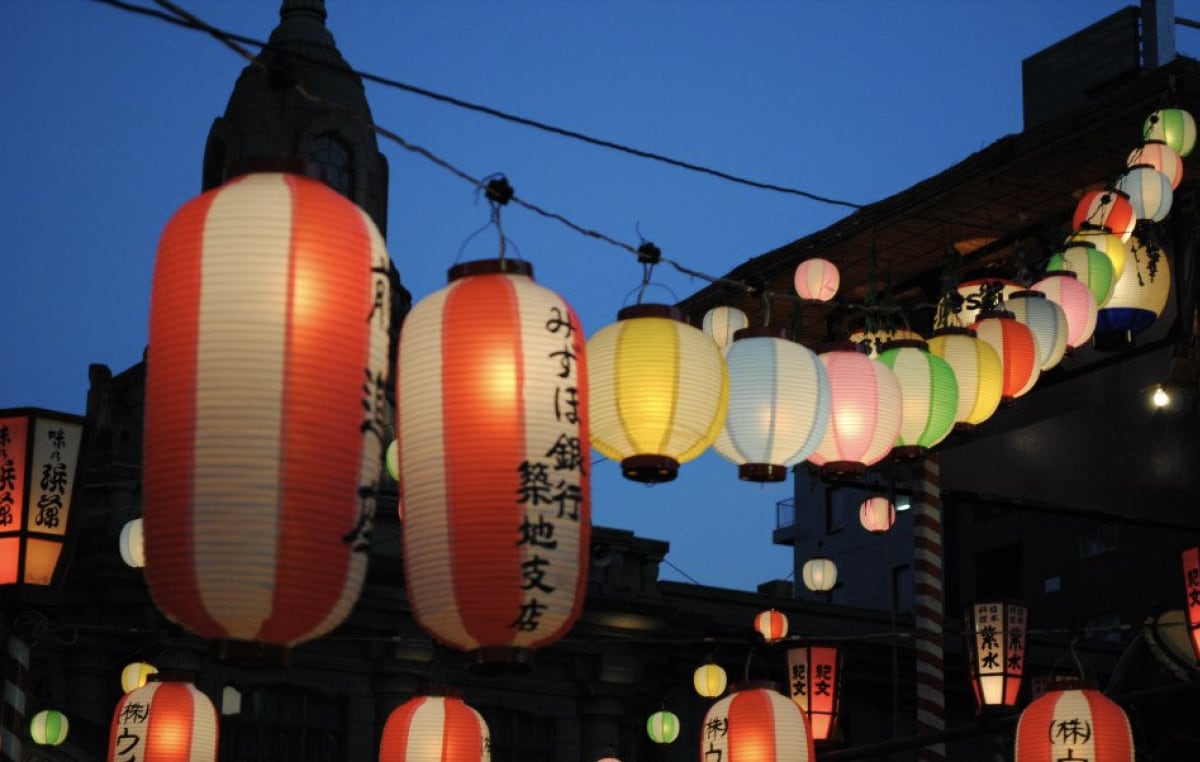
{"type": "Point", "coordinates": [12, 728]}
{"type": "Point", "coordinates": [928, 607]}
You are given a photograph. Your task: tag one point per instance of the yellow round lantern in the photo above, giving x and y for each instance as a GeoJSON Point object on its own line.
{"type": "Point", "coordinates": [977, 369]}
{"type": "Point", "coordinates": [136, 674]}
{"type": "Point", "coordinates": [709, 680]}
{"type": "Point", "coordinates": [1138, 298]}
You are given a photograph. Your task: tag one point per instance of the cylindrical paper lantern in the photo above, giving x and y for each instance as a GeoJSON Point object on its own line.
{"type": "Point", "coordinates": [976, 368]}
{"type": "Point", "coordinates": [660, 390]}
{"type": "Point", "coordinates": [772, 625]}
{"type": "Point", "coordinates": [1173, 126]}
{"type": "Point", "coordinates": [1017, 349]}
{"type": "Point", "coordinates": [265, 409]}
{"type": "Point", "coordinates": [979, 294]}
{"type": "Point", "coordinates": [814, 680]}
{"type": "Point", "coordinates": [663, 727]}
{"type": "Point", "coordinates": [492, 419]}
{"type": "Point", "coordinates": [778, 405]}
{"type": "Point", "coordinates": [1138, 298]}
{"type": "Point", "coordinates": [1077, 303]}
{"type": "Point", "coordinates": [929, 396]}
{"type": "Point", "coordinates": [995, 634]}
{"type": "Point", "coordinates": [1091, 267]}
{"type": "Point", "coordinates": [864, 416]}
{"type": "Point", "coordinates": [819, 574]}
{"type": "Point", "coordinates": [817, 279]}
{"type": "Point", "coordinates": [1162, 157]}
{"type": "Point", "coordinates": [132, 544]}
{"type": "Point", "coordinates": [1073, 724]}
{"type": "Point", "coordinates": [1191, 586]}
{"type": "Point", "coordinates": [1110, 245]}
{"type": "Point", "coordinates": [709, 680]}
{"type": "Point", "coordinates": [136, 674]}
{"type": "Point", "coordinates": [1107, 210]}
{"type": "Point", "coordinates": [435, 729]}
{"type": "Point", "coordinates": [167, 721]}
{"type": "Point", "coordinates": [49, 727]}
{"type": "Point", "coordinates": [875, 340]}
{"type": "Point", "coordinates": [756, 723]}
{"type": "Point", "coordinates": [721, 323]}
{"type": "Point", "coordinates": [877, 514]}
{"type": "Point", "coordinates": [1149, 192]}
{"type": "Point", "coordinates": [1046, 320]}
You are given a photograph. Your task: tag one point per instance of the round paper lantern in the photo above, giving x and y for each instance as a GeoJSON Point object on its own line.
{"type": "Point", "coordinates": [819, 574]}
{"type": "Point", "coordinates": [132, 545]}
{"type": "Point", "coordinates": [1138, 298]}
{"type": "Point", "coordinates": [136, 674]}
{"type": "Point", "coordinates": [1107, 210]}
{"type": "Point", "coordinates": [1046, 320]}
{"type": "Point", "coordinates": [435, 729]}
{"type": "Point", "coordinates": [1149, 192]}
{"type": "Point", "coordinates": [1017, 349]}
{"type": "Point", "coordinates": [778, 405]}
{"type": "Point", "coordinates": [392, 460]}
{"type": "Point", "coordinates": [877, 514]}
{"type": "Point", "coordinates": [864, 413]}
{"type": "Point", "coordinates": [1110, 245]}
{"type": "Point", "coordinates": [49, 727]}
{"type": "Point", "coordinates": [663, 727]}
{"type": "Point", "coordinates": [1173, 126]}
{"type": "Point", "coordinates": [1077, 303]}
{"type": "Point", "coordinates": [756, 723]}
{"type": "Point", "coordinates": [167, 721]}
{"type": "Point", "coordinates": [709, 680]}
{"type": "Point", "coordinates": [1073, 724]}
{"type": "Point", "coordinates": [721, 323]}
{"type": "Point", "coordinates": [977, 370]}
{"type": "Point", "coordinates": [265, 409]}
{"type": "Point", "coordinates": [873, 341]}
{"type": "Point", "coordinates": [929, 396]}
{"type": "Point", "coordinates": [979, 294]}
{"type": "Point", "coordinates": [772, 625]}
{"type": "Point", "coordinates": [1191, 601]}
{"type": "Point", "coordinates": [1162, 157]}
{"type": "Point", "coordinates": [1091, 267]}
{"type": "Point", "coordinates": [492, 401]}
{"type": "Point", "coordinates": [817, 279]}
{"type": "Point", "coordinates": [660, 390]}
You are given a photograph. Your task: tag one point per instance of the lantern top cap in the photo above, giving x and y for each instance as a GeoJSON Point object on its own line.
{"type": "Point", "coordinates": [288, 165]}
{"type": "Point", "coordinates": [1061, 273]}
{"type": "Point", "coordinates": [489, 267]}
{"type": "Point", "coordinates": [843, 346]}
{"type": "Point", "coordinates": [920, 344]}
{"type": "Point", "coordinates": [762, 332]}
{"type": "Point", "coordinates": [954, 330]}
{"type": "Point", "coordinates": [1028, 293]}
{"type": "Point", "coordinates": [996, 314]}
{"type": "Point", "coordinates": [667, 311]}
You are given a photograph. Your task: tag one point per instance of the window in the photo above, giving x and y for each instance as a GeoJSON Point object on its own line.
{"type": "Point", "coordinates": [284, 722]}
{"type": "Point", "coordinates": [332, 155]}
{"type": "Point", "coordinates": [902, 588]}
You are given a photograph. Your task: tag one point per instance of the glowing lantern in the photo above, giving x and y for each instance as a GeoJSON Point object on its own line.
{"type": "Point", "coordinates": [663, 727]}
{"type": "Point", "coordinates": [269, 328]}
{"type": "Point", "coordinates": [929, 396]}
{"type": "Point", "coordinates": [817, 279]}
{"type": "Point", "coordinates": [815, 679]}
{"type": "Point", "coordinates": [1065, 724]}
{"type": "Point", "coordinates": [772, 625]}
{"type": "Point", "coordinates": [1138, 298]}
{"type": "Point", "coordinates": [1107, 210]}
{"type": "Point", "coordinates": [996, 651]}
{"type": "Point", "coordinates": [709, 680]}
{"type": "Point", "coordinates": [492, 404]}
{"type": "Point", "coordinates": [864, 413]}
{"type": "Point", "coordinates": [136, 674]}
{"type": "Point", "coordinates": [1110, 245]}
{"type": "Point", "coordinates": [873, 341]}
{"type": "Point", "coordinates": [660, 390]}
{"type": "Point", "coordinates": [49, 728]}
{"type": "Point", "coordinates": [1046, 320]}
{"type": "Point", "coordinates": [877, 514]}
{"type": "Point", "coordinates": [979, 294]}
{"type": "Point", "coordinates": [133, 549]}
{"type": "Point", "coordinates": [721, 323]}
{"type": "Point", "coordinates": [167, 721]}
{"type": "Point", "coordinates": [1077, 303]}
{"type": "Point", "coordinates": [1149, 192]}
{"type": "Point", "coordinates": [976, 368]}
{"type": "Point", "coordinates": [1018, 351]}
{"type": "Point", "coordinates": [1091, 267]}
{"type": "Point", "coordinates": [778, 404]}
{"type": "Point", "coordinates": [1162, 157]}
{"type": "Point", "coordinates": [435, 729]}
{"type": "Point", "coordinates": [757, 723]}
{"type": "Point", "coordinates": [1173, 126]}
{"type": "Point", "coordinates": [1191, 581]}
{"type": "Point", "coordinates": [819, 574]}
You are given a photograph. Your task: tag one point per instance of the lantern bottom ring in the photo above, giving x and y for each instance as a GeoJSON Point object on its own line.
{"type": "Point", "coordinates": [500, 660]}
{"type": "Point", "coordinates": [909, 452]}
{"type": "Point", "coordinates": [249, 653]}
{"type": "Point", "coordinates": [842, 469]}
{"type": "Point", "coordinates": [651, 469]}
{"type": "Point", "coordinates": [761, 472]}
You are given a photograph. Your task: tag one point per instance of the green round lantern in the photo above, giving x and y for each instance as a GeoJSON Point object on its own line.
{"type": "Point", "coordinates": [48, 727]}
{"type": "Point", "coordinates": [663, 727]}
{"type": "Point", "coordinates": [1091, 266]}
{"type": "Point", "coordinates": [1173, 126]}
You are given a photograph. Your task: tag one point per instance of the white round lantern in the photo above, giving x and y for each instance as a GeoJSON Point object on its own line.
{"type": "Point", "coordinates": [721, 323]}
{"type": "Point", "coordinates": [819, 574]}
{"type": "Point", "coordinates": [133, 549]}
{"type": "Point", "coordinates": [1149, 192]}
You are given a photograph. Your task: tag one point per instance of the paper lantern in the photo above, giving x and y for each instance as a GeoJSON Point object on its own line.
{"type": "Point", "coordinates": [265, 409]}
{"type": "Point", "coordinates": [772, 625]}
{"type": "Point", "coordinates": [1149, 192]}
{"type": "Point", "coordinates": [1077, 303]}
{"type": "Point", "coordinates": [1091, 267]}
{"type": "Point", "coordinates": [709, 680]}
{"type": "Point", "coordinates": [873, 341]}
{"type": "Point", "coordinates": [778, 405]}
{"type": "Point", "coordinates": [49, 727]}
{"type": "Point", "coordinates": [864, 413]}
{"type": "Point", "coordinates": [721, 323]}
{"type": "Point", "coordinates": [819, 574]}
{"type": "Point", "coordinates": [663, 727]}
{"type": "Point", "coordinates": [136, 674]}
{"type": "Point", "coordinates": [1138, 299]}
{"type": "Point", "coordinates": [1110, 245]}
{"type": "Point", "coordinates": [817, 279]}
{"type": "Point", "coordinates": [877, 514]}
{"type": "Point", "coordinates": [492, 401]}
{"type": "Point", "coordinates": [814, 680]}
{"type": "Point", "coordinates": [660, 390]}
{"type": "Point", "coordinates": [1073, 724]}
{"type": "Point", "coordinates": [1046, 320]}
{"type": "Point", "coordinates": [1173, 126]}
{"type": "Point", "coordinates": [979, 294]}
{"type": "Point", "coordinates": [132, 545]}
{"type": "Point", "coordinates": [976, 368]}
{"type": "Point", "coordinates": [756, 723]}
{"type": "Point", "coordinates": [435, 729]}
{"type": "Point", "coordinates": [1162, 157]}
{"type": "Point", "coordinates": [167, 721]}
{"type": "Point", "coordinates": [1108, 210]}
{"type": "Point", "coordinates": [1017, 349]}
{"type": "Point", "coordinates": [929, 396]}
{"type": "Point", "coordinates": [995, 633]}
{"type": "Point", "coordinates": [1191, 582]}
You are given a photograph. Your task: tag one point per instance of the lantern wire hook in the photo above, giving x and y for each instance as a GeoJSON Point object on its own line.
{"type": "Point", "coordinates": [498, 192]}
{"type": "Point", "coordinates": [649, 255]}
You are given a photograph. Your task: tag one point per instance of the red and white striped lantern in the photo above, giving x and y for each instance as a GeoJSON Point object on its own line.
{"type": "Point", "coordinates": [772, 625]}
{"type": "Point", "coordinates": [265, 409]}
{"type": "Point", "coordinates": [435, 729]}
{"type": "Point", "coordinates": [814, 681]}
{"type": "Point", "coordinates": [865, 413]}
{"type": "Point", "coordinates": [1108, 210]}
{"type": "Point", "coordinates": [1191, 583]}
{"type": "Point", "coordinates": [168, 721]}
{"type": "Point", "coordinates": [756, 723]}
{"type": "Point", "coordinates": [817, 279]}
{"type": "Point", "coordinates": [492, 420]}
{"type": "Point", "coordinates": [1074, 724]}
{"type": "Point", "coordinates": [1020, 360]}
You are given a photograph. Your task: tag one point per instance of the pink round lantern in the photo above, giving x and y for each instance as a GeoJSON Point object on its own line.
{"type": "Point", "coordinates": [435, 729]}
{"type": "Point", "coordinates": [168, 721]}
{"type": "Point", "coordinates": [864, 416]}
{"type": "Point", "coordinates": [1107, 210]}
{"type": "Point", "coordinates": [817, 279]}
{"type": "Point", "coordinates": [1077, 303]}
{"type": "Point", "coordinates": [877, 514]}
{"type": "Point", "coordinates": [1162, 157]}
{"type": "Point", "coordinates": [772, 625]}
{"type": "Point", "coordinates": [756, 723]}
{"type": "Point", "coordinates": [265, 409]}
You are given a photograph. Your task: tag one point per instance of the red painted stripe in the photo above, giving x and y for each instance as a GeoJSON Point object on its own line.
{"type": "Point", "coordinates": [462, 738]}
{"type": "Point", "coordinates": [1113, 737]}
{"type": "Point", "coordinates": [751, 709]}
{"type": "Point", "coordinates": [171, 724]}
{"type": "Point", "coordinates": [393, 747]}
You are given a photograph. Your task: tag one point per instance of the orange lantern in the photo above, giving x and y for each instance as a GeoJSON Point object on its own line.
{"type": "Point", "coordinates": [1077, 303]}
{"type": "Point", "coordinates": [877, 514]}
{"type": "Point", "coordinates": [1068, 724]}
{"type": "Point", "coordinates": [1107, 210]}
{"type": "Point", "coordinates": [1191, 581]}
{"type": "Point", "coordinates": [1019, 358]}
{"type": "Point", "coordinates": [976, 368]}
{"type": "Point", "coordinates": [168, 721]}
{"type": "Point", "coordinates": [772, 625]}
{"type": "Point", "coordinates": [756, 722]}
{"type": "Point", "coordinates": [709, 680]}
{"type": "Point", "coordinates": [817, 279]}
{"type": "Point", "coordinates": [814, 679]}
{"type": "Point", "coordinates": [492, 422]}
{"type": "Point", "coordinates": [435, 729]}
{"type": "Point", "coordinates": [265, 409]}
{"type": "Point", "coordinates": [864, 414]}
{"type": "Point", "coordinates": [996, 652]}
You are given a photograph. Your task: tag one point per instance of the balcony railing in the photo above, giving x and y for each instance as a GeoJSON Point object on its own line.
{"type": "Point", "coordinates": [785, 513]}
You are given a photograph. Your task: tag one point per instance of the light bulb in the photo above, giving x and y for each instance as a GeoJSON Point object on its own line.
{"type": "Point", "coordinates": [1160, 398]}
